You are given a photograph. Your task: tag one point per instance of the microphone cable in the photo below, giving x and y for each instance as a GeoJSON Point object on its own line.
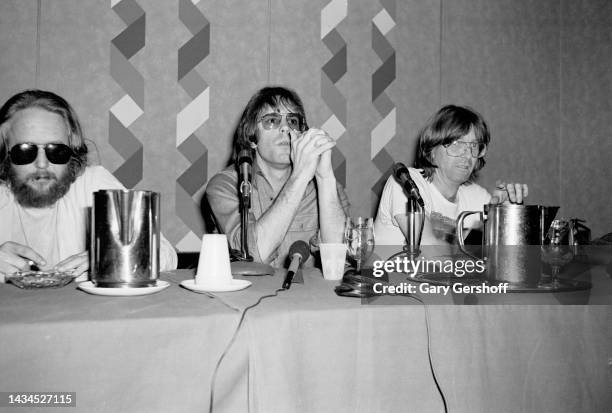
{"type": "Point", "coordinates": [431, 366]}
{"type": "Point", "coordinates": [231, 342]}
{"type": "Point", "coordinates": [275, 294]}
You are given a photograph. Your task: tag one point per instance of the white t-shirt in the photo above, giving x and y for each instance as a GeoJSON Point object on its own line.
{"type": "Point", "coordinates": [440, 213]}
{"type": "Point", "coordinates": [59, 231]}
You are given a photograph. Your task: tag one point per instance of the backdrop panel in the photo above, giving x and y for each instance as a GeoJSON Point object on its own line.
{"type": "Point", "coordinates": [502, 59]}
{"type": "Point", "coordinates": [17, 47]}
{"type": "Point", "coordinates": [160, 86]}
{"type": "Point", "coordinates": [585, 148]}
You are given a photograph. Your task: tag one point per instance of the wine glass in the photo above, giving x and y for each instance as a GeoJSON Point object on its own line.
{"type": "Point", "coordinates": [557, 250]}
{"type": "Point", "coordinates": [359, 240]}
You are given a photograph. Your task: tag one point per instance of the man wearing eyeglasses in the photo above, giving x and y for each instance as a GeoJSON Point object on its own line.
{"type": "Point", "coordinates": [46, 187]}
{"type": "Point", "coordinates": [294, 191]}
{"type": "Point", "coordinates": [450, 152]}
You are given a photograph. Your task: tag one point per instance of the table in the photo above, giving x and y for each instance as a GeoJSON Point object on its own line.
{"type": "Point", "coordinates": [311, 351]}
{"type": "Point", "coordinates": [308, 350]}
{"type": "Point", "coordinates": [150, 353]}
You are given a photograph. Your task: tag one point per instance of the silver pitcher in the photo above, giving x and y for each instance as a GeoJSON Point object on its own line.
{"type": "Point", "coordinates": [125, 238]}
{"type": "Point", "coordinates": [512, 236]}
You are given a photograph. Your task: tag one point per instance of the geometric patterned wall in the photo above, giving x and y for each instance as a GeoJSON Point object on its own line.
{"type": "Point", "coordinates": [131, 105]}
{"type": "Point", "coordinates": [385, 130]}
{"type": "Point", "coordinates": [189, 120]}
{"type": "Point", "coordinates": [331, 74]}
{"type": "Point", "coordinates": [159, 86]}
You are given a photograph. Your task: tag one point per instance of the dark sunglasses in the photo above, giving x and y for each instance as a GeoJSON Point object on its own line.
{"type": "Point", "coordinates": [26, 153]}
{"type": "Point", "coordinates": [273, 121]}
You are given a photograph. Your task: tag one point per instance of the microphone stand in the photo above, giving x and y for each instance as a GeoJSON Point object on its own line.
{"type": "Point", "coordinates": [241, 261]}
{"type": "Point", "coordinates": [415, 213]}
{"type": "Point", "coordinates": [245, 205]}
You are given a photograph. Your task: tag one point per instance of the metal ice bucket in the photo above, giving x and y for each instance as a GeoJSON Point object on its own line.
{"type": "Point", "coordinates": [512, 237]}
{"type": "Point", "coordinates": [125, 238]}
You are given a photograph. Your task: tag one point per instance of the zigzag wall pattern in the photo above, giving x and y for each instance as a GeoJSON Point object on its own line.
{"type": "Point", "coordinates": [131, 105]}
{"type": "Point", "coordinates": [384, 75]}
{"type": "Point", "coordinates": [336, 67]}
{"type": "Point", "coordinates": [77, 60]}
{"type": "Point", "coordinates": [189, 119]}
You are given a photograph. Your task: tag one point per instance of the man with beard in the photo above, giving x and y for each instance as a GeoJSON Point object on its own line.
{"type": "Point", "coordinates": [46, 187]}
{"type": "Point", "coordinates": [295, 195]}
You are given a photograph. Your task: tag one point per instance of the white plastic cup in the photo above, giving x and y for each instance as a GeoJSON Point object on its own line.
{"type": "Point", "coordinates": [214, 264]}
{"type": "Point", "coordinates": [333, 257]}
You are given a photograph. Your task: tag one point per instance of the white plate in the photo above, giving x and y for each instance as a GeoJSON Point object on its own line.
{"type": "Point", "coordinates": [90, 288]}
{"type": "Point", "coordinates": [234, 285]}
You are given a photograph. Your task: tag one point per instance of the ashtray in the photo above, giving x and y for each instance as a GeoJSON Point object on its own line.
{"type": "Point", "coordinates": [39, 279]}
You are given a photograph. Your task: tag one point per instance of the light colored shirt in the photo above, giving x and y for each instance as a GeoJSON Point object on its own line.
{"type": "Point", "coordinates": [60, 230]}
{"type": "Point", "coordinates": [440, 213]}
{"type": "Point", "coordinates": [222, 194]}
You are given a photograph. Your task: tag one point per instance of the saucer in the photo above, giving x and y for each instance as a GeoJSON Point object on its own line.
{"type": "Point", "coordinates": [234, 285]}
{"type": "Point", "coordinates": [90, 288]}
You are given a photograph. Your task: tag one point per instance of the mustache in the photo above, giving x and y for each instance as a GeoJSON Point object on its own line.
{"type": "Point", "coordinates": [41, 175]}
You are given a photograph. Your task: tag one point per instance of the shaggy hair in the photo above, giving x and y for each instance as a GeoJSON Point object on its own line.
{"type": "Point", "coordinates": [449, 124]}
{"type": "Point", "coordinates": [269, 97]}
{"type": "Point", "coordinates": [53, 103]}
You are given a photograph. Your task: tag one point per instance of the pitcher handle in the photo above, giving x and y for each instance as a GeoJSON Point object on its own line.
{"type": "Point", "coordinates": [459, 229]}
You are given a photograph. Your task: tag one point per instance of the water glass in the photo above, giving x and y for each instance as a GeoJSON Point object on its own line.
{"type": "Point", "coordinates": [557, 250]}
{"type": "Point", "coordinates": [359, 240]}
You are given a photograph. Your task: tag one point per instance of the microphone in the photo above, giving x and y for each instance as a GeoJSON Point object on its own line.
{"type": "Point", "coordinates": [245, 160]}
{"type": "Point", "coordinates": [402, 176]}
{"type": "Point", "coordinates": [299, 253]}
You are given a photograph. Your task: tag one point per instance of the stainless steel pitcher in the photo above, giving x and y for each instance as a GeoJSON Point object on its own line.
{"type": "Point", "coordinates": [512, 237]}
{"type": "Point", "coordinates": [125, 238]}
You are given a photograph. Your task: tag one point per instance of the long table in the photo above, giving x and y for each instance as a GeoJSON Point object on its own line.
{"type": "Point", "coordinates": [308, 350]}
{"type": "Point", "coordinates": [150, 353]}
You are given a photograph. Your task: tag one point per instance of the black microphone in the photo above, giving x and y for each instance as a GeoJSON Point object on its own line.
{"type": "Point", "coordinates": [299, 253]}
{"type": "Point", "coordinates": [244, 161]}
{"type": "Point", "coordinates": [402, 176]}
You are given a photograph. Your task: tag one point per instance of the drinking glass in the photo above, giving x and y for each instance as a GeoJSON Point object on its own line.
{"type": "Point", "coordinates": [557, 250]}
{"type": "Point", "coordinates": [359, 240]}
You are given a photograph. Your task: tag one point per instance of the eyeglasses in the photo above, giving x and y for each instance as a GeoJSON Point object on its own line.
{"type": "Point", "coordinates": [458, 148]}
{"type": "Point", "coordinates": [273, 121]}
{"type": "Point", "coordinates": [26, 153]}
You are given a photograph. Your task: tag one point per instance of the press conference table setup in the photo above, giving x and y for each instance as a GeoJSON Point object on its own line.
{"type": "Point", "coordinates": [308, 349]}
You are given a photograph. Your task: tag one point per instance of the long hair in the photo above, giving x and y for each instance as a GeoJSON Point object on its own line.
{"type": "Point", "coordinates": [449, 124]}
{"type": "Point", "coordinates": [245, 134]}
{"type": "Point", "coordinates": [51, 102]}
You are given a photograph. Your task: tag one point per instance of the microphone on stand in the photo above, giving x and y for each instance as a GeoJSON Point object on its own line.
{"type": "Point", "coordinates": [413, 227]}
{"type": "Point", "coordinates": [242, 261]}
{"type": "Point", "coordinates": [245, 162]}
{"type": "Point", "coordinates": [299, 253]}
{"type": "Point", "coordinates": [402, 176]}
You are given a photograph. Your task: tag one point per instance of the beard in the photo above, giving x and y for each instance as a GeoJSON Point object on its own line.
{"type": "Point", "coordinates": [30, 195]}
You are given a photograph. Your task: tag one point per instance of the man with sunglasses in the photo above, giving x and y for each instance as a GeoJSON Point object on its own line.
{"type": "Point", "coordinates": [295, 195]}
{"type": "Point", "coordinates": [46, 187]}
{"type": "Point", "coordinates": [450, 152]}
